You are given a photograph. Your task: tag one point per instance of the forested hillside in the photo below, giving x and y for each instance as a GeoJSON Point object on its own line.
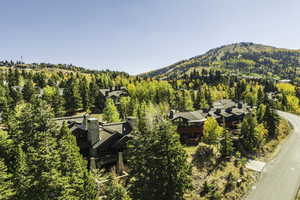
{"type": "Point", "coordinates": [5, 64]}
{"type": "Point", "coordinates": [244, 58]}
{"type": "Point", "coordinates": [45, 156]}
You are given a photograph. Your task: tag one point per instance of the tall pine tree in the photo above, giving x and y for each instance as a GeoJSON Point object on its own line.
{"type": "Point", "coordinates": [158, 163]}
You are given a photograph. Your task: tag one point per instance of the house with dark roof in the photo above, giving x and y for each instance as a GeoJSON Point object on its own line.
{"type": "Point", "coordinates": [115, 93]}
{"type": "Point", "coordinates": [227, 112]}
{"type": "Point", "coordinates": [102, 144]}
{"type": "Point", "coordinates": [190, 125]}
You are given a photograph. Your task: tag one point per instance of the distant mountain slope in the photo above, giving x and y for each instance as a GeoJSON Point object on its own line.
{"type": "Point", "coordinates": [245, 57]}
{"type": "Point", "coordinates": [5, 65]}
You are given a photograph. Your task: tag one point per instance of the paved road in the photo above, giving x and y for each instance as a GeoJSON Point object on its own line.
{"type": "Point", "coordinates": [281, 177]}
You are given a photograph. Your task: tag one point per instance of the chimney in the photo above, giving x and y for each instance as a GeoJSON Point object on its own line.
{"type": "Point", "coordinates": [93, 130]}
{"type": "Point", "coordinates": [218, 110]}
{"type": "Point", "coordinates": [84, 121]}
{"type": "Point", "coordinates": [93, 164]}
{"type": "Point", "coordinates": [240, 105]}
{"type": "Point", "coordinates": [132, 121]}
{"type": "Point", "coordinates": [120, 164]}
{"type": "Point", "coordinates": [171, 115]}
{"type": "Point", "coordinates": [205, 110]}
{"type": "Point", "coordinates": [229, 109]}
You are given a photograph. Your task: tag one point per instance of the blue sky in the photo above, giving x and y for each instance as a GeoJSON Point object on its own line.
{"type": "Point", "coordinates": [139, 35]}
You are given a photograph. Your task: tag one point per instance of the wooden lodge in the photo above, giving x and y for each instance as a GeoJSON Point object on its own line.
{"type": "Point", "coordinates": [114, 93]}
{"type": "Point", "coordinates": [102, 144]}
{"type": "Point", "coordinates": [190, 124]}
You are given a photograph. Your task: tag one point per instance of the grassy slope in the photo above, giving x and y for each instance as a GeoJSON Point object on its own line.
{"type": "Point", "coordinates": [216, 58]}
{"type": "Point", "coordinates": [246, 177]}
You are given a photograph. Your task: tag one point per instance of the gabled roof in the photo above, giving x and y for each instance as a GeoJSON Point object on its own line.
{"type": "Point", "coordinates": [225, 114]}
{"type": "Point", "coordinates": [238, 111]}
{"type": "Point", "coordinates": [114, 92]}
{"type": "Point", "coordinates": [224, 104]}
{"type": "Point", "coordinates": [213, 114]}
{"type": "Point", "coordinates": [196, 116]}
{"type": "Point", "coordinates": [111, 135]}
{"type": "Point", "coordinates": [107, 138]}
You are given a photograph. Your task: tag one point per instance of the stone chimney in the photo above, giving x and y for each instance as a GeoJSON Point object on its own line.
{"type": "Point", "coordinates": [172, 113]}
{"type": "Point", "coordinates": [240, 105]}
{"type": "Point", "coordinates": [93, 130]}
{"type": "Point", "coordinates": [205, 110]}
{"type": "Point", "coordinates": [132, 122]}
{"type": "Point", "coordinates": [93, 164]}
{"type": "Point", "coordinates": [85, 121]}
{"type": "Point", "coordinates": [229, 109]}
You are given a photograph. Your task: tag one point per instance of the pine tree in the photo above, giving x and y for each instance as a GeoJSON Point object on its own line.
{"type": "Point", "coordinates": [113, 190]}
{"type": "Point", "coordinates": [7, 191]}
{"type": "Point", "coordinates": [297, 92]}
{"type": "Point", "coordinates": [4, 103]}
{"type": "Point", "coordinates": [90, 188]}
{"type": "Point", "coordinates": [28, 91]}
{"type": "Point", "coordinates": [284, 102]}
{"type": "Point", "coordinates": [271, 121]}
{"type": "Point", "coordinates": [239, 89]}
{"type": "Point", "coordinates": [16, 77]}
{"type": "Point", "coordinates": [84, 92]}
{"type": "Point", "coordinates": [57, 103]}
{"type": "Point", "coordinates": [40, 79]}
{"type": "Point", "coordinates": [248, 133]}
{"type": "Point", "coordinates": [32, 127]}
{"type": "Point", "coordinates": [22, 178]}
{"type": "Point", "coordinates": [200, 100]}
{"type": "Point", "coordinates": [13, 77]}
{"type": "Point", "coordinates": [6, 146]}
{"type": "Point", "coordinates": [227, 145]}
{"type": "Point", "coordinates": [208, 96]}
{"type": "Point", "coordinates": [252, 134]}
{"type": "Point", "coordinates": [159, 169]}
{"type": "Point", "coordinates": [73, 166]}
{"type": "Point", "coordinates": [72, 96]}
{"type": "Point", "coordinates": [260, 96]}
{"type": "Point", "coordinates": [51, 96]}
{"type": "Point", "coordinates": [93, 94]}
{"type": "Point", "coordinates": [260, 113]}
{"type": "Point", "coordinates": [16, 96]}
{"type": "Point", "coordinates": [110, 113]}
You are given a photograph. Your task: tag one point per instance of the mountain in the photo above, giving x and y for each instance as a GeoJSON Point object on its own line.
{"type": "Point", "coordinates": [244, 57]}
{"type": "Point", "coordinates": [66, 68]}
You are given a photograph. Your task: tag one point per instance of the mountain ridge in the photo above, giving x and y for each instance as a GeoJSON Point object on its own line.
{"type": "Point", "coordinates": [243, 53]}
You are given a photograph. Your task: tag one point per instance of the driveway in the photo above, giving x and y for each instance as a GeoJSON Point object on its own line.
{"type": "Point", "coordinates": [280, 179]}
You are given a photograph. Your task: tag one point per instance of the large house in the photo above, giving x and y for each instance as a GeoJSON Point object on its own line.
{"type": "Point", "coordinates": [114, 93]}
{"type": "Point", "coordinates": [102, 144]}
{"type": "Point", "coordinates": [190, 124]}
